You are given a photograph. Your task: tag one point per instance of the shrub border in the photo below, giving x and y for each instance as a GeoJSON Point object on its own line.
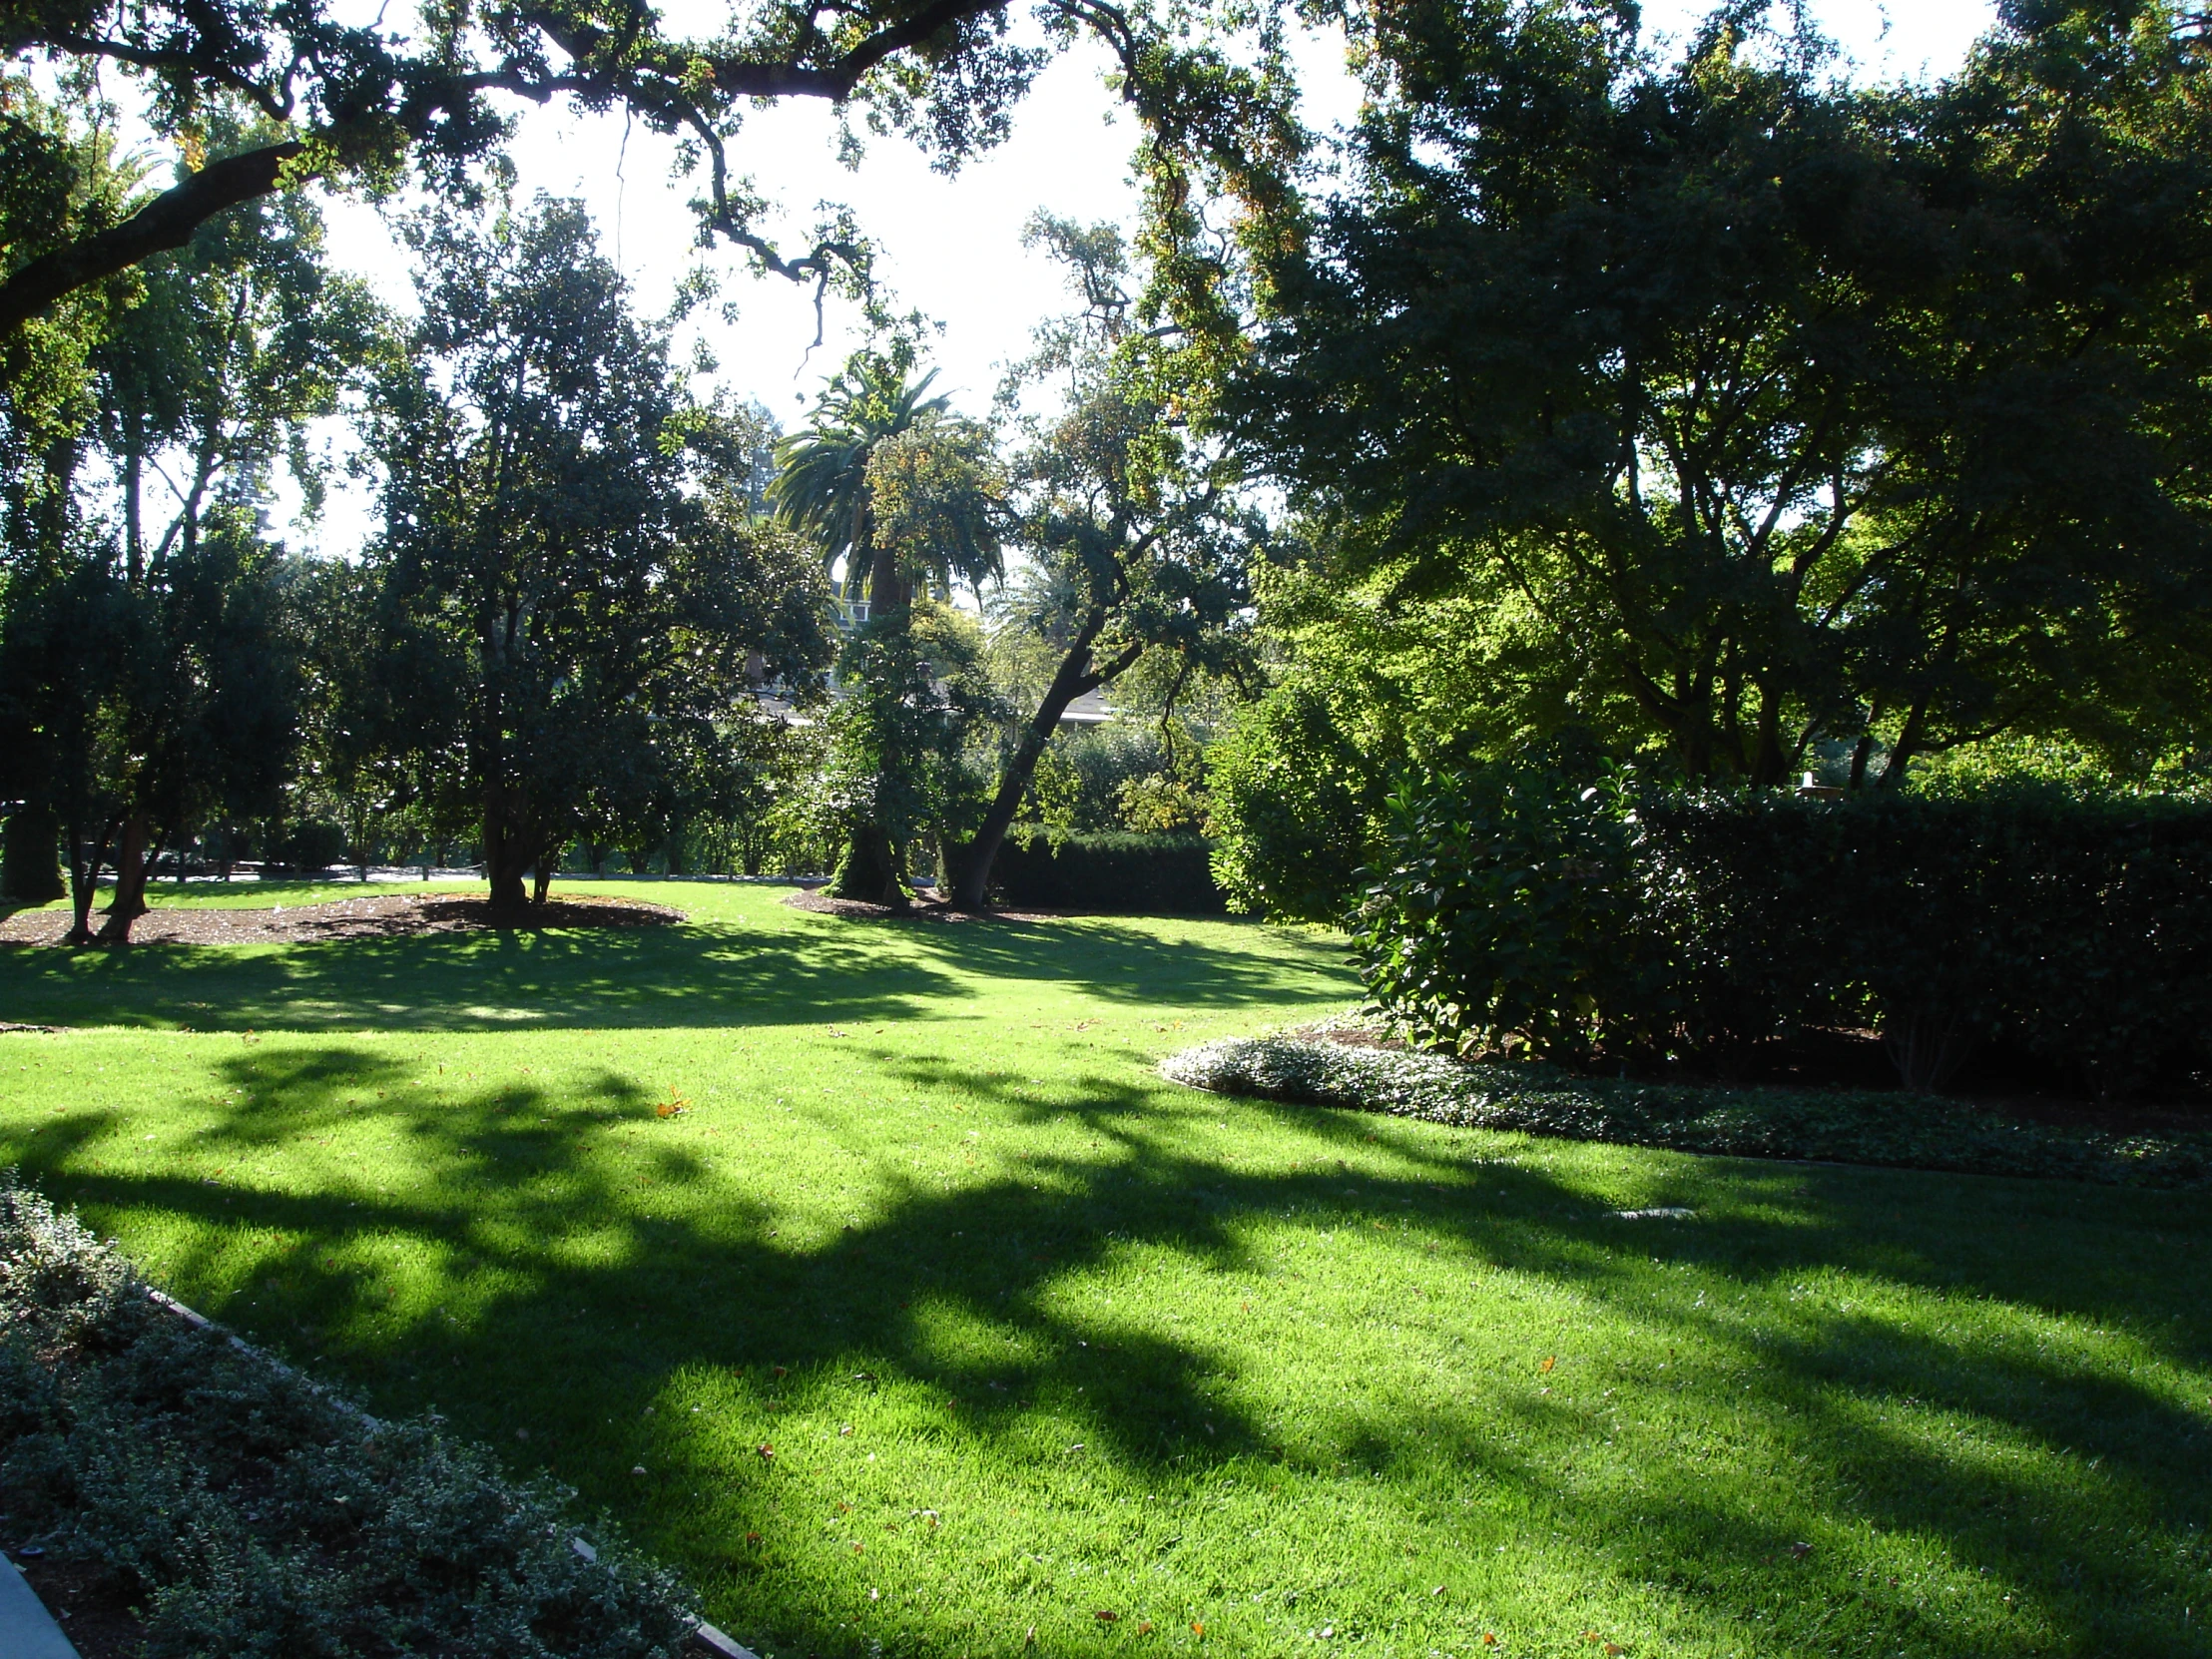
{"type": "Point", "coordinates": [1857, 1127]}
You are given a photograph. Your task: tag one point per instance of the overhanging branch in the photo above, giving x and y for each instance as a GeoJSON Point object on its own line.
{"type": "Point", "coordinates": [164, 224]}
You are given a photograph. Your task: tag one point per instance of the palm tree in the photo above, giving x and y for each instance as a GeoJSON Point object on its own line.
{"type": "Point", "coordinates": [904, 494]}
{"type": "Point", "coordinates": [820, 488]}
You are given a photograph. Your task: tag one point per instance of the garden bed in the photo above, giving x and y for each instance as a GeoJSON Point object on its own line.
{"type": "Point", "coordinates": [1825, 1124]}
{"type": "Point", "coordinates": [385, 916]}
{"type": "Point", "coordinates": [860, 909]}
{"type": "Point", "coordinates": [173, 1491]}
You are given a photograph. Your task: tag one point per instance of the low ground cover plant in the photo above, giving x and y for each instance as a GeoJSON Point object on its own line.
{"type": "Point", "coordinates": [244, 1511]}
{"type": "Point", "coordinates": [1520, 909]}
{"type": "Point", "coordinates": [1831, 1125]}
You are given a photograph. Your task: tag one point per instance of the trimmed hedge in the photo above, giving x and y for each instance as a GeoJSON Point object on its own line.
{"type": "Point", "coordinates": [1840, 1127]}
{"type": "Point", "coordinates": [244, 1510]}
{"type": "Point", "coordinates": [1155, 874]}
{"type": "Point", "coordinates": [1518, 910]}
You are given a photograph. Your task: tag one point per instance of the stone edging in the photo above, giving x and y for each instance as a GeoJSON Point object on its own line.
{"type": "Point", "coordinates": [705, 1638]}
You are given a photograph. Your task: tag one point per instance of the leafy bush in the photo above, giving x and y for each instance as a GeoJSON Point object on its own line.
{"type": "Point", "coordinates": [1294, 801]}
{"type": "Point", "coordinates": [1157, 875]}
{"type": "Point", "coordinates": [1837, 1126]}
{"type": "Point", "coordinates": [1508, 896]}
{"type": "Point", "coordinates": [248, 1511]}
{"type": "Point", "coordinates": [1514, 910]}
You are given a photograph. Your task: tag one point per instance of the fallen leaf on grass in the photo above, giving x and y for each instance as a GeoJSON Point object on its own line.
{"type": "Point", "coordinates": [1489, 1638]}
{"type": "Point", "coordinates": [1196, 1629]}
{"type": "Point", "coordinates": [752, 1537]}
{"type": "Point", "coordinates": [1145, 1628]}
{"type": "Point", "coordinates": [1547, 1365]}
{"type": "Point", "coordinates": [1106, 1617]}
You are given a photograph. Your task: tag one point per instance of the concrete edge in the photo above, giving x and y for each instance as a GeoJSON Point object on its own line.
{"type": "Point", "coordinates": [27, 1629]}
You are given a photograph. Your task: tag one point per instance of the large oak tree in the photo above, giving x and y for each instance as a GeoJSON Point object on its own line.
{"type": "Point", "coordinates": [1755, 411]}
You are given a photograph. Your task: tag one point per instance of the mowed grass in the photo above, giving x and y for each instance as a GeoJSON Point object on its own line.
{"type": "Point", "coordinates": [936, 1325]}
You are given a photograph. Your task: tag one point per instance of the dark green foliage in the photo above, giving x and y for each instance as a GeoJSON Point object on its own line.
{"type": "Point", "coordinates": [251, 1512]}
{"type": "Point", "coordinates": [1295, 804]}
{"type": "Point", "coordinates": [1501, 914]}
{"type": "Point", "coordinates": [30, 873]}
{"type": "Point", "coordinates": [1136, 875]}
{"type": "Point", "coordinates": [1832, 1126]}
{"type": "Point", "coordinates": [1514, 910]}
{"type": "Point", "coordinates": [1753, 412]}
{"type": "Point", "coordinates": [310, 844]}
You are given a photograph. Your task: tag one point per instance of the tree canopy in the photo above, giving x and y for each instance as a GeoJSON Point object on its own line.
{"type": "Point", "coordinates": [1755, 411]}
{"type": "Point", "coordinates": [564, 609]}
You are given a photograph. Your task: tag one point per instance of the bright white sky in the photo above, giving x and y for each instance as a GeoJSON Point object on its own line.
{"type": "Point", "coordinates": [950, 246]}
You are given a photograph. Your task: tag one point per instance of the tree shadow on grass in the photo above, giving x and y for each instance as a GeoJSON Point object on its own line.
{"type": "Point", "coordinates": [695, 975]}
{"type": "Point", "coordinates": [521, 1281]}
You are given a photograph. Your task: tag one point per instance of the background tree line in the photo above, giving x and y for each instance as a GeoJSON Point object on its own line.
{"type": "Point", "coordinates": [600, 613]}
{"type": "Point", "coordinates": [1711, 414]}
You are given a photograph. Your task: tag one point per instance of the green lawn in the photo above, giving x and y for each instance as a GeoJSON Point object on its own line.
{"type": "Point", "coordinates": [1035, 1337]}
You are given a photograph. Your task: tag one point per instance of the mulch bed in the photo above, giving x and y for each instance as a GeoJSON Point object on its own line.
{"type": "Point", "coordinates": [858, 909]}
{"type": "Point", "coordinates": [382, 916]}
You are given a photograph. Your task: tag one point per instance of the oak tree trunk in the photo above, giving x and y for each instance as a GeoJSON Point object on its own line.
{"type": "Point", "coordinates": [129, 902]}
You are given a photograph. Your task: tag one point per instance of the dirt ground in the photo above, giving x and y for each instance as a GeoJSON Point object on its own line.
{"type": "Point", "coordinates": [382, 916]}
{"type": "Point", "coordinates": [929, 910]}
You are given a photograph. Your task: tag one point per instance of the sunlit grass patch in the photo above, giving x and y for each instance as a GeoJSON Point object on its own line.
{"type": "Point", "coordinates": [1103, 1344]}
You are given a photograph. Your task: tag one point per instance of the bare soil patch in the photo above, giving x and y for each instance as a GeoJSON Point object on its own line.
{"type": "Point", "coordinates": [90, 1604]}
{"type": "Point", "coordinates": [858, 909]}
{"type": "Point", "coordinates": [382, 916]}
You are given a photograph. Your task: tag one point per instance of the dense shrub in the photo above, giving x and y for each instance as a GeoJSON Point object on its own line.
{"type": "Point", "coordinates": [1159, 875]}
{"type": "Point", "coordinates": [1830, 1125]}
{"type": "Point", "coordinates": [1294, 805]}
{"type": "Point", "coordinates": [1512, 911]}
{"type": "Point", "coordinates": [246, 1511]}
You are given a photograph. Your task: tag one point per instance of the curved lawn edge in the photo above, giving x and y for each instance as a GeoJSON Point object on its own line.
{"type": "Point", "coordinates": [1889, 1130]}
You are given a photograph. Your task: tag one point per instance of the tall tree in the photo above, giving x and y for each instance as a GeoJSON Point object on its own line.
{"type": "Point", "coordinates": [156, 686]}
{"type": "Point", "coordinates": [59, 174]}
{"type": "Point", "coordinates": [1775, 411]}
{"type": "Point", "coordinates": [904, 498]}
{"type": "Point", "coordinates": [551, 577]}
{"type": "Point", "coordinates": [1134, 522]}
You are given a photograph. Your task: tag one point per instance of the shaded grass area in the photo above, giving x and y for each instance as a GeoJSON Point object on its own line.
{"type": "Point", "coordinates": [1106, 1345]}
